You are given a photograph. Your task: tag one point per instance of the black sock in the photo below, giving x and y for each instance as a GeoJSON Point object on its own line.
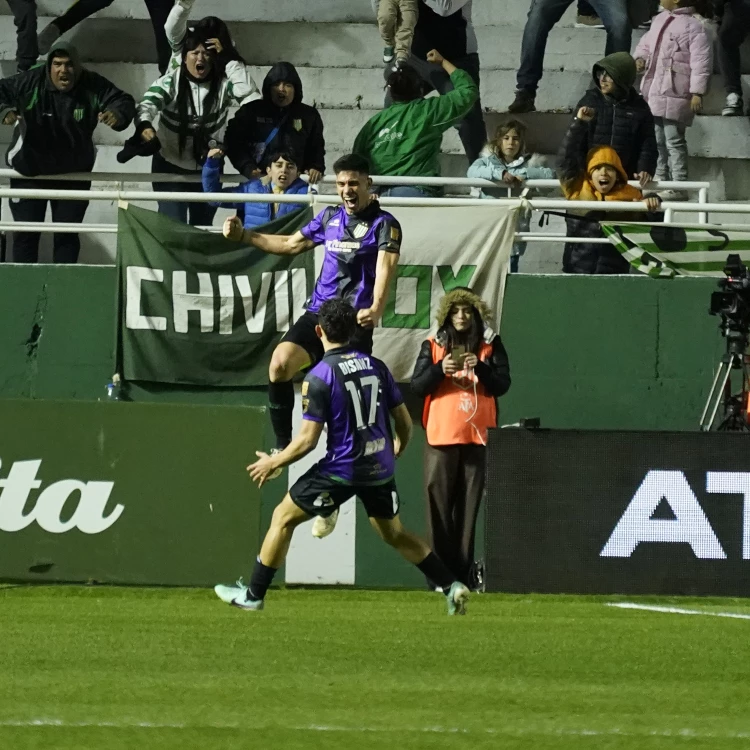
{"type": "Point", "coordinates": [281, 405]}
{"type": "Point", "coordinates": [434, 570]}
{"type": "Point", "coordinates": [260, 580]}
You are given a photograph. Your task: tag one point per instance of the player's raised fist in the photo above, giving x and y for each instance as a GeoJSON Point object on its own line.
{"type": "Point", "coordinates": [233, 229]}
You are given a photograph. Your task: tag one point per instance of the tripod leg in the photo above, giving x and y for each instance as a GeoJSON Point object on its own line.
{"type": "Point", "coordinates": [710, 399]}
{"type": "Point", "coordinates": [721, 392]}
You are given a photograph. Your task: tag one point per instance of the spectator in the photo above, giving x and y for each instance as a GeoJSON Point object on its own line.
{"type": "Point", "coordinates": [733, 30]}
{"type": "Point", "coordinates": [446, 25]}
{"type": "Point", "coordinates": [218, 40]}
{"type": "Point", "coordinates": [404, 139]}
{"type": "Point", "coordinates": [277, 122]}
{"type": "Point", "coordinates": [158, 10]}
{"type": "Point", "coordinates": [460, 372]}
{"type": "Point", "coordinates": [24, 18]}
{"type": "Point", "coordinates": [505, 158]}
{"type": "Point", "coordinates": [543, 15]}
{"type": "Point", "coordinates": [193, 102]}
{"type": "Point", "coordinates": [56, 108]}
{"type": "Point", "coordinates": [678, 66]}
{"type": "Point", "coordinates": [396, 22]}
{"type": "Point", "coordinates": [282, 177]}
{"type": "Point", "coordinates": [598, 177]}
{"type": "Point", "coordinates": [621, 118]}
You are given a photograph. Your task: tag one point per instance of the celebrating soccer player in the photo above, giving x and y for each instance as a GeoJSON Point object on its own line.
{"type": "Point", "coordinates": [355, 397]}
{"type": "Point", "coordinates": [362, 244]}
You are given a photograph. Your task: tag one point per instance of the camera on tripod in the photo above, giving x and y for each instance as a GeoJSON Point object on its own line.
{"type": "Point", "coordinates": [732, 305]}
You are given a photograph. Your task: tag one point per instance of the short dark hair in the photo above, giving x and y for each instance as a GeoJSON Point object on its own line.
{"type": "Point", "coordinates": [278, 154]}
{"type": "Point", "coordinates": [405, 84]}
{"type": "Point", "coordinates": [338, 319]}
{"type": "Point", "coordinates": [352, 163]}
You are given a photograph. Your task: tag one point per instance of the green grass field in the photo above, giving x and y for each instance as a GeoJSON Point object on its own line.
{"type": "Point", "coordinates": [102, 667]}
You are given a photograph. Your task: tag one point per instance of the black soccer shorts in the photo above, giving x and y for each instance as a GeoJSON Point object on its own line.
{"type": "Point", "coordinates": [302, 333]}
{"type": "Point", "coordinates": [319, 495]}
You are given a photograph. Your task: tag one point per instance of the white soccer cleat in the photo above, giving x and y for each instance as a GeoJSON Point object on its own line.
{"type": "Point", "coordinates": [322, 527]}
{"type": "Point", "coordinates": [237, 596]}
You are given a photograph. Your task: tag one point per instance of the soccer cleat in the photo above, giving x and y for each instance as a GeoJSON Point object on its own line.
{"type": "Point", "coordinates": [322, 527]}
{"type": "Point", "coordinates": [274, 474]}
{"type": "Point", "coordinates": [524, 102]}
{"type": "Point", "coordinates": [733, 105]}
{"type": "Point", "coordinates": [237, 596]}
{"type": "Point", "coordinates": [457, 598]}
{"type": "Point", "coordinates": [47, 37]}
{"type": "Point", "coordinates": [388, 54]}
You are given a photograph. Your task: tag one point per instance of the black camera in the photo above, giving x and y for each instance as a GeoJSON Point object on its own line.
{"type": "Point", "coordinates": [732, 303]}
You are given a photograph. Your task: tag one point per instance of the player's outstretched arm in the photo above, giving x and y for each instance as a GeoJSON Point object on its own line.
{"type": "Point", "coordinates": [384, 272]}
{"type": "Point", "coordinates": [300, 446]}
{"type": "Point", "coordinates": [402, 426]}
{"type": "Point", "coordinates": [276, 244]}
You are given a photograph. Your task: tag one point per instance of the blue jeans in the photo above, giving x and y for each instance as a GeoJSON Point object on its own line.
{"type": "Point", "coordinates": [544, 14]}
{"type": "Point", "coordinates": [405, 191]}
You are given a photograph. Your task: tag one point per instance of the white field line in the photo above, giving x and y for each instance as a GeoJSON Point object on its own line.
{"type": "Point", "coordinates": [677, 610]}
{"type": "Point", "coordinates": [505, 731]}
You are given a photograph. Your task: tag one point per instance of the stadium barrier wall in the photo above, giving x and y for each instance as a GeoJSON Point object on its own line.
{"type": "Point", "coordinates": [586, 353]}
{"type": "Point", "coordinates": [126, 493]}
{"type": "Point", "coordinates": [604, 512]}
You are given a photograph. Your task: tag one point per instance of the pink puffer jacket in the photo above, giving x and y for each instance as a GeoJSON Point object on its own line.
{"type": "Point", "coordinates": [678, 50]}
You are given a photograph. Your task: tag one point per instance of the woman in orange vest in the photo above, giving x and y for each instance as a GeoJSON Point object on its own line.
{"type": "Point", "coordinates": [460, 372]}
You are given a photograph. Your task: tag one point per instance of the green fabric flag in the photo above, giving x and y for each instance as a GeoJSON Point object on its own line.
{"type": "Point", "coordinates": [195, 308]}
{"type": "Point", "coordinates": [667, 250]}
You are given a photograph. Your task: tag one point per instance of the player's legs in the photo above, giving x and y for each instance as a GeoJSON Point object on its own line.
{"type": "Point", "coordinates": [286, 361]}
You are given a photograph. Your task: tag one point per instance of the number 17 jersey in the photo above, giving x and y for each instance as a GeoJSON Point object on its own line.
{"type": "Point", "coordinates": [352, 394]}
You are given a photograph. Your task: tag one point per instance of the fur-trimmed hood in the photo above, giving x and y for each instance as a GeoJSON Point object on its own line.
{"type": "Point", "coordinates": [529, 160]}
{"type": "Point", "coordinates": [462, 296]}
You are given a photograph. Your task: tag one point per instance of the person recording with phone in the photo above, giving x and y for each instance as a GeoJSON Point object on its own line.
{"type": "Point", "coordinates": [460, 372]}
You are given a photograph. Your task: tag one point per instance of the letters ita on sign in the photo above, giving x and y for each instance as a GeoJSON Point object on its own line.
{"type": "Point", "coordinates": [88, 517]}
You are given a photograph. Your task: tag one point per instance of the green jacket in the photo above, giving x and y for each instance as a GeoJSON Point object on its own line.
{"type": "Point", "coordinates": [405, 138]}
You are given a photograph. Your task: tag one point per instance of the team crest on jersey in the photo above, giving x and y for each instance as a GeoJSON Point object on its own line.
{"type": "Point", "coordinates": [360, 230]}
{"type": "Point", "coordinates": [78, 113]}
{"type": "Point", "coordinates": [297, 125]}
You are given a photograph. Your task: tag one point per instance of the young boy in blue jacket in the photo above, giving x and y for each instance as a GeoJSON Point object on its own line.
{"type": "Point", "coordinates": [282, 177]}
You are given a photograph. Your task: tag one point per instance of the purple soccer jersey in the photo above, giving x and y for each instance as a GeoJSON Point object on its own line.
{"type": "Point", "coordinates": [353, 394]}
{"type": "Point", "coordinates": [351, 244]}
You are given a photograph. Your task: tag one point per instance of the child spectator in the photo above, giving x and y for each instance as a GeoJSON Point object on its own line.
{"type": "Point", "coordinates": [621, 118]}
{"type": "Point", "coordinates": [396, 22]}
{"type": "Point", "coordinates": [505, 158]}
{"type": "Point", "coordinates": [598, 177]}
{"type": "Point", "coordinates": [676, 54]}
{"type": "Point", "coordinates": [280, 121]}
{"type": "Point", "coordinates": [193, 104]}
{"type": "Point", "coordinates": [282, 177]}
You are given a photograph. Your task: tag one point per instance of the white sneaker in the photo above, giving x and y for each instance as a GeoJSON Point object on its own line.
{"type": "Point", "coordinates": [672, 195]}
{"type": "Point", "coordinates": [322, 527]}
{"type": "Point", "coordinates": [733, 106]}
{"type": "Point", "coordinates": [237, 596]}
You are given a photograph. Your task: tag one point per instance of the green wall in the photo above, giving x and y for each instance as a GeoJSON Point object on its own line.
{"type": "Point", "coordinates": [585, 352]}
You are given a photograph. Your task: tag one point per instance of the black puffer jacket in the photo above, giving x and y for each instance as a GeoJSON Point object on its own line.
{"type": "Point", "coordinates": [625, 122]}
{"type": "Point", "coordinates": [300, 131]}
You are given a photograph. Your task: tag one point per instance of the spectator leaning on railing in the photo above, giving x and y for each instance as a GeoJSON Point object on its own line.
{"type": "Point", "coordinates": [282, 178]}
{"type": "Point", "coordinates": [621, 118]}
{"type": "Point", "coordinates": [193, 103]}
{"type": "Point", "coordinates": [280, 121]}
{"type": "Point", "coordinates": [56, 108]}
{"type": "Point", "coordinates": [505, 158]}
{"type": "Point", "coordinates": [460, 372]}
{"type": "Point", "coordinates": [404, 139]}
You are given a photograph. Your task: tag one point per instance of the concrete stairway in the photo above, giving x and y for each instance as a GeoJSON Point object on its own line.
{"type": "Point", "coordinates": [337, 49]}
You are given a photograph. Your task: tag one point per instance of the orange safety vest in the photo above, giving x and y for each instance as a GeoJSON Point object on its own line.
{"type": "Point", "coordinates": [452, 415]}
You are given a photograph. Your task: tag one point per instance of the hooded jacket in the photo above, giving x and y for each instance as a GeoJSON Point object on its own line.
{"type": "Point", "coordinates": [678, 50]}
{"type": "Point", "coordinates": [623, 121]}
{"type": "Point", "coordinates": [54, 131]}
{"type": "Point", "coordinates": [444, 394]}
{"type": "Point", "coordinates": [300, 128]}
{"type": "Point", "coordinates": [575, 178]}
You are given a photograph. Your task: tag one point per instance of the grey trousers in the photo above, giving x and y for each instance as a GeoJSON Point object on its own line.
{"type": "Point", "coordinates": [672, 146]}
{"type": "Point", "coordinates": [454, 484]}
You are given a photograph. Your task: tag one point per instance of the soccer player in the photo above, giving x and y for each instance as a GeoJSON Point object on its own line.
{"type": "Point", "coordinates": [362, 244]}
{"type": "Point", "coordinates": [355, 397]}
